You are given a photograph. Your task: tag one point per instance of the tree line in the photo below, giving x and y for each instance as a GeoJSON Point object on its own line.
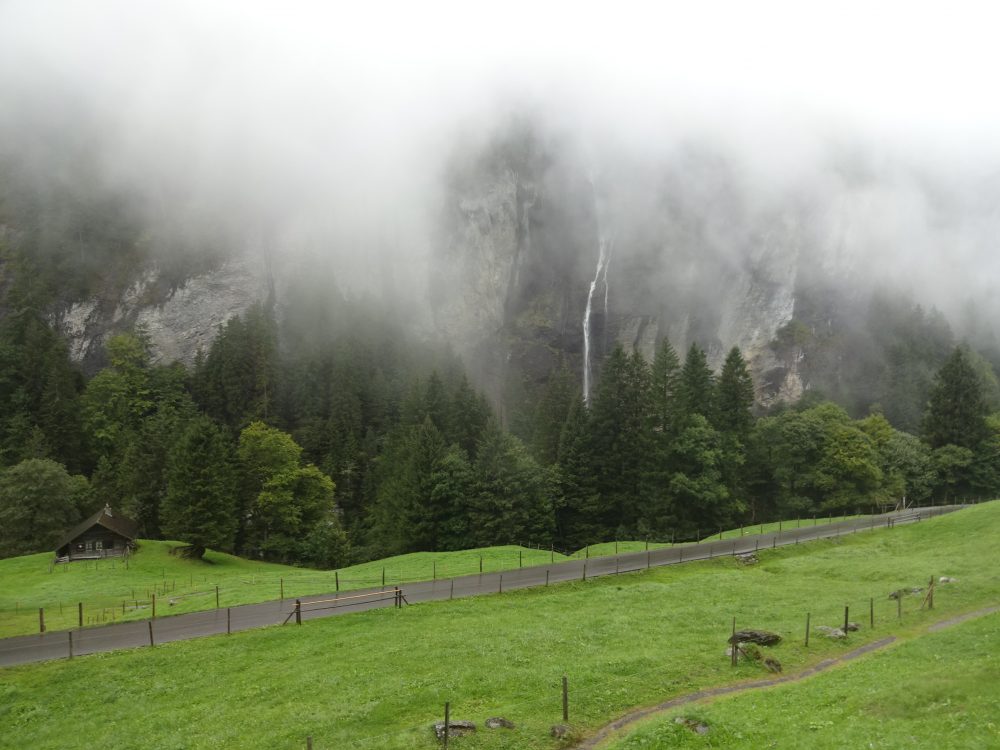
{"type": "Point", "coordinates": [332, 436]}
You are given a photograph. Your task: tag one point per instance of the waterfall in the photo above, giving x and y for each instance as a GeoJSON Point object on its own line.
{"type": "Point", "coordinates": [600, 275]}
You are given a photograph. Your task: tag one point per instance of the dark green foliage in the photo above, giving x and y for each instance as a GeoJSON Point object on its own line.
{"type": "Point", "coordinates": [289, 508]}
{"type": "Point", "coordinates": [550, 416]}
{"type": "Point", "coordinates": [39, 502]}
{"type": "Point", "coordinates": [812, 461]}
{"type": "Point", "coordinates": [407, 516]}
{"type": "Point", "coordinates": [236, 382]}
{"type": "Point", "coordinates": [512, 501]}
{"type": "Point", "coordinates": [578, 516]}
{"type": "Point", "coordinates": [734, 397]}
{"type": "Point", "coordinates": [956, 411]}
{"type": "Point", "coordinates": [200, 503]}
{"type": "Point", "coordinates": [699, 497]}
{"type": "Point", "coordinates": [39, 395]}
{"type": "Point", "coordinates": [619, 428]}
{"type": "Point", "coordinates": [696, 386]}
{"type": "Point", "coordinates": [665, 387]}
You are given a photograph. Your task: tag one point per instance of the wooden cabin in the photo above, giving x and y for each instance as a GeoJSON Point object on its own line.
{"type": "Point", "coordinates": [102, 535]}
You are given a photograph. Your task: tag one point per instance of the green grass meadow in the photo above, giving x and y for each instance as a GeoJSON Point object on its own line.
{"type": "Point", "coordinates": [939, 691]}
{"type": "Point", "coordinates": [182, 585]}
{"type": "Point", "coordinates": [379, 679]}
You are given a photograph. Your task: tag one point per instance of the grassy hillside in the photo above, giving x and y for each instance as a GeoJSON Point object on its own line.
{"type": "Point", "coordinates": [941, 690]}
{"type": "Point", "coordinates": [622, 547]}
{"type": "Point", "coordinates": [183, 585]}
{"type": "Point", "coordinates": [379, 679]}
{"type": "Point", "coordinates": [112, 591]}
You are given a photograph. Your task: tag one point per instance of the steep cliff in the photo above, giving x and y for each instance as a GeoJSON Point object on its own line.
{"type": "Point", "coordinates": [685, 258]}
{"type": "Point", "coordinates": [179, 318]}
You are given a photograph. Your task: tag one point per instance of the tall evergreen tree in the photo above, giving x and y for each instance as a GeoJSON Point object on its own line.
{"type": "Point", "coordinates": [550, 417]}
{"type": "Point", "coordinates": [734, 397]}
{"type": "Point", "coordinates": [619, 431]}
{"type": "Point", "coordinates": [956, 412]}
{"type": "Point", "coordinates": [578, 515]}
{"type": "Point", "coordinates": [697, 387]}
{"type": "Point", "coordinates": [200, 504]}
{"type": "Point", "coordinates": [512, 503]}
{"type": "Point", "coordinates": [665, 387]}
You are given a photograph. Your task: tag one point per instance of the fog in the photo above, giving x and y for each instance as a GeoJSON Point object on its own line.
{"type": "Point", "coordinates": [323, 132]}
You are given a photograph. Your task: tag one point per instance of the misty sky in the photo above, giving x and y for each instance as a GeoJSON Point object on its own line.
{"type": "Point", "coordinates": [336, 117]}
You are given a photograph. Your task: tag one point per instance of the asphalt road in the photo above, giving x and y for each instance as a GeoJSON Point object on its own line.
{"type": "Point", "coordinates": [58, 645]}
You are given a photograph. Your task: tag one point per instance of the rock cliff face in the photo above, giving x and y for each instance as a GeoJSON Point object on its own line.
{"type": "Point", "coordinates": [520, 247]}
{"type": "Point", "coordinates": [180, 320]}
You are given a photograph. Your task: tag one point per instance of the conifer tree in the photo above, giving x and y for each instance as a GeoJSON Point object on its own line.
{"type": "Point", "coordinates": [956, 412]}
{"type": "Point", "coordinates": [200, 504]}
{"type": "Point", "coordinates": [665, 385]}
{"type": "Point", "coordinates": [696, 387]}
{"type": "Point", "coordinates": [550, 417]}
{"type": "Point", "coordinates": [578, 516]}
{"type": "Point", "coordinates": [734, 397]}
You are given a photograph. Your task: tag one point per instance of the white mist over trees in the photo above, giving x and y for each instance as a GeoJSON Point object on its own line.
{"type": "Point", "coordinates": [387, 220]}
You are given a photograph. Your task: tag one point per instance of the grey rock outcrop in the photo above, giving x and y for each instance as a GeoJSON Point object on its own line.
{"type": "Point", "coordinates": [179, 319]}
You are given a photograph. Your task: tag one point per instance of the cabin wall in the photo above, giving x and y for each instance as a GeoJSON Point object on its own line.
{"type": "Point", "coordinates": [96, 542]}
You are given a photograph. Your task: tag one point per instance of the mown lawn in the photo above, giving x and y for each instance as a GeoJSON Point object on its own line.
{"type": "Point", "coordinates": [182, 585]}
{"type": "Point", "coordinates": [379, 679]}
{"type": "Point", "coordinates": [941, 690]}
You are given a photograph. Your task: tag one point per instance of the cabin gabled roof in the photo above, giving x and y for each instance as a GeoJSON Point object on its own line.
{"type": "Point", "coordinates": [126, 527]}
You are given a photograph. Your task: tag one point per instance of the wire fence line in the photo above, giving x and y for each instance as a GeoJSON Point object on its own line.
{"type": "Point", "coordinates": [496, 581]}
{"type": "Point", "coordinates": [598, 699]}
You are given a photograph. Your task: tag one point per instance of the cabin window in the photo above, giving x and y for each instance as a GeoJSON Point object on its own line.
{"type": "Point", "coordinates": [90, 546]}
{"type": "Point", "coordinates": [98, 545]}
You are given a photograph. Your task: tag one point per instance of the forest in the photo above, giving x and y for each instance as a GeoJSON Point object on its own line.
{"type": "Point", "coordinates": [332, 434]}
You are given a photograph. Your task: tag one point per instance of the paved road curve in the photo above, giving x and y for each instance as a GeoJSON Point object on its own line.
{"type": "Point", "coordinates": [57, 645]}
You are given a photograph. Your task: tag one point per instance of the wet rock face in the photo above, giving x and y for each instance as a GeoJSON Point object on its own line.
{"type": "Point", "coordinates": [520, 239]}
{"type": "Point", "coordinates": [180, 320]}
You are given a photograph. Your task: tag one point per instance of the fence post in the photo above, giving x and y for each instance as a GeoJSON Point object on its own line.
{"type": "Point", "coordinates": [846, 612]}
{"type": "Point", "coordinates": [585, 570]}
{"type": "Point", "coordinates": [520, 558]}
{"type": "Point", "coordinates": [298, 611]}
{"type": "Point", "coordinates": [480, 565]}
{"type": "Point", "coordinates": [150, 624]}
{"type": "Point", "coordinates": [552, 553]}
{"type": "Point", "coordinates": [732, 641]}
{"type": "Point", "coordinates": [229, 621]}
{"type": "Point", "coordinates": [447, 723]}
{"type": "Point", "coordinates": [451, 594]}
{"type": "Point", "coordinates": [546, 576]}
{"type": "Point", "coordinates": [648, 559]}
{"type": "Point", "coordinates": [309, 743]}
{"type": "Point", "coordinates": [501, 583]}
{"type": "Point", "coordinates": [930, 594]}
{"type": "Point", "coordinates": [282, 583]}
{"type": "Point", "coordinates": [807, 630]}
{"type": "Point", "coordinates": [79, 610]}
{"type": "Point", "coordinates": [434, 570]}
{"type": "Point", "coordinates": [565, 692]}
{"type": "Point", "coordinates": [70, 633]}
{"type": "Point", "coordinates": [41, 619]}
{"type": "Point", "coordinates": [383, 577]}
